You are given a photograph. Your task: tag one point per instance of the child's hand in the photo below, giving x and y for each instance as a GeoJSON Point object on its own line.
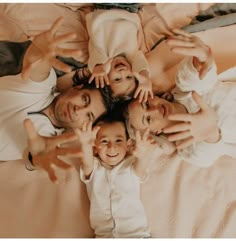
{"type": "Point", "coordinates": [45, 150]}
{"type": "Point", "coordinates": [200, 126]}
{"type": "Point", "coordinates": [88, 134]}
{"type": "Point", "coordinates": [44, 48]}
{"type": "Point", "coordinates": [144, 88]}
{"type": "Point", "coordinates": [100, 74]}
{"type": "Point", "coordinates": [146, 147]}
{"type": "Point", "coordinates": [190, 45]}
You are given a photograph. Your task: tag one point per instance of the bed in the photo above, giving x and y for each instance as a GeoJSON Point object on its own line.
{"type": "Point", "coordinates": [181, 201]}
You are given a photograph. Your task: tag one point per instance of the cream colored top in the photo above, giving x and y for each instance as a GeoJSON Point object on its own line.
{"type": "Point", "coordinates": [112, 33]}
{"type": "Point", "coordinates": [220, 93]}
{"type": "Point", "coordinates": [116, 210]}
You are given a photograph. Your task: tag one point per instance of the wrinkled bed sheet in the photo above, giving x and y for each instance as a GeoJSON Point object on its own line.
{"type": "Point", "coordinates": [180, 200]}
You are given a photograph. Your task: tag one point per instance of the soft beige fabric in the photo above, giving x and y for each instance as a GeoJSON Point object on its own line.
{"type": "Point", "coordinates": [180, 200]}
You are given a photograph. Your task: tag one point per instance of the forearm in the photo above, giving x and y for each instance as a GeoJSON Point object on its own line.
{"type": "Point", "coordinates": [140, 167]}
{"type": "Point", "coordinates": [65, 82]}
{"type": "Point", "coordinates": [87, 163]}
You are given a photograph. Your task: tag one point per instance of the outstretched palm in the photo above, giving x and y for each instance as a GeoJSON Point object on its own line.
{"type": "Point", "coordinates": [44, 47]}
{"type": "Point", "coordinates": [45, 150]}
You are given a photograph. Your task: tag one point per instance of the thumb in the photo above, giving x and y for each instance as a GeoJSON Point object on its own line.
{"type": "Point", "coordinates": [136, 75]}
{"type": "Point", "coordinates": [198, 99]}
{"type": "Point", "coordinates": [30, 130]}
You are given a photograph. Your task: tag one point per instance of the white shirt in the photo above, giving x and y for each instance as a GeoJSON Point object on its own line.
{"type": "Point", "coordinates": [220, 93]}
{"type": "Point", "coordinates": [18, 99]}
{"type": "Point", "coordinates": [116, 210]}
{"type": "Point", "coordinates": [112, 33]}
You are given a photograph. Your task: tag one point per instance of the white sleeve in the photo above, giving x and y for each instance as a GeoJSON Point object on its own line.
{"type": "Point", "coordinates": [204, 154]}
{"type": "Point", "coordinates": [187, 78]}
{"type": "Point", "coordinates": [96, 56]}
{"type": "Point", "coordinates": [83, 178]}
{"type": "Point", "coordinates": [138, 61]}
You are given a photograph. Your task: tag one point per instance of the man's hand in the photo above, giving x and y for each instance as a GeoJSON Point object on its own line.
{"type": "Point", "coordinates": [190, 45]}
{"type": "Point", "coordinates": [100, 72]}
{"type": "Point", "coordinates": [44, 48]}
{"type": "Point", "coordinates": [200, 126]}
{"type": "Point", "coordinates": [144, 88]}
{"type": "Point", "coordinates": [45, 150]}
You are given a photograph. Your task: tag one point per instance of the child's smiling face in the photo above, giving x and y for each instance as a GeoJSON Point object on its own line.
{"type": "Point", "coordinates": [111, 143]}
{"type": "Point", "coordinates": [122, 81]}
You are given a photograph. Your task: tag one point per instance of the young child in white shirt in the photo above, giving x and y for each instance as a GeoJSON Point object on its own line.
{"type": "Point", "coordinates": [113, 178]}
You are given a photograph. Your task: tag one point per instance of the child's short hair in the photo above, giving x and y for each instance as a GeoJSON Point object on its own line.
{"type": "Point", "coordinates": [112, 117]}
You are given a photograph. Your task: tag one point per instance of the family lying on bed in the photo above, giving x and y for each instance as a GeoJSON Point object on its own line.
{"type": "Point", "coordinates": [200, 119]}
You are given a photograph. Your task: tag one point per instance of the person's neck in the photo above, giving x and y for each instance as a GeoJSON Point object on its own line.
{"type": "Point", "coordinates": [50, 114]}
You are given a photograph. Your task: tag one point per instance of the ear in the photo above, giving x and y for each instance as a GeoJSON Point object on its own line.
{"type": "Point", "coordinates": [95, 151]}
{"type": "Point", "coordinates": [129, 142]}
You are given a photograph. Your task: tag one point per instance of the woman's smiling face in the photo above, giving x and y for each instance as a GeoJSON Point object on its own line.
{"type": "Point", "coordinates": [152, 114]}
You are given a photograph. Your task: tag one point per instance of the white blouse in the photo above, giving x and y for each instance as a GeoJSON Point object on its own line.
{"type": "Point", "coordinates": [220, 93]}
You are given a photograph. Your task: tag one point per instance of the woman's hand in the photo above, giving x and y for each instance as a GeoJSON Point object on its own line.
{"type": "Point", "coordinates": [200, 126]}
{"type": "Point", "coordinates": [45, 150]}
{"type": "Point", "coordinates": [44, 49]}
{"type": "Point", "coordinates": [190, 45]}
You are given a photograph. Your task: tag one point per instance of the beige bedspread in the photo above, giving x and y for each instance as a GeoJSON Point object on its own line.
{"type": "Point", "coordinates": [180, 200]}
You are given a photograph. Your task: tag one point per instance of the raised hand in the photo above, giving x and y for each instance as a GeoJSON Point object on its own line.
{"type": "Point", "coordinates": [200, 126]}
{"type": "Point", "coordinates": [146, 148]}
{"type": "Point", "coordinates": [45, 150]}
{"type": "Point", "coordinates": [100, 74]}
{"type": "Point", "coordinates": [87, 137]}
{"type": "Point", "coordinates": [144, 88]}
{"type": "Point", "coordinates": [44, 48]}
{"type": "Point", "coordinates": [87, 134]}
{"type": "Point", "coordinates": [190, 45]}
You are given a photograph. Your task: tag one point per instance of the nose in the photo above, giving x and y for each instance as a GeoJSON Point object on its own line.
{"type": "Point", "coordinates": [111, 145]}
{"type": "Point", "coordinates": [155, 110]}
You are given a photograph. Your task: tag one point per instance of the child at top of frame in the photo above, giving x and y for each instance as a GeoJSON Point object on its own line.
{"type": "Point", "coordinates": [113, 177]}
{"type": "Point", "coordinates": [114, 56]}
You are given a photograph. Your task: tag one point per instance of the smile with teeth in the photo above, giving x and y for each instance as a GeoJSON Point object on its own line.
{"type": "Point", "coordinates": [113, 155]}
